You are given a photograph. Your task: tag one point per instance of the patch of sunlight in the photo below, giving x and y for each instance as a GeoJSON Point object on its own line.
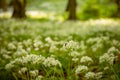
{"type": "Point", "coordinates": [103, 22]}
{"type": "Point", "coordinates": [5, 14]}
{"type": "Point", "coordinates": [45, 15]}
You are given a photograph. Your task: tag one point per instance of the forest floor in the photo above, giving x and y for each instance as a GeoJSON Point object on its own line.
{"type": "Point", "coordinates": [46, 47]}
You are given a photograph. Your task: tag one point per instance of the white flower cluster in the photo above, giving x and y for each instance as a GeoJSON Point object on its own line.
{"type": "Point", "coordinates": [25, 60]}
{"type": "Point", "coordinates": [20, 52]}
{"type": "Point", "coordinates": [113, 50]}
{"type": "Point", "coordinates": [71, 45]}
{"type": "Point", "coordinates": [86, 59]}
{"type": "Point", "coordinates": [116, 43]}
{"type": "Point", "coordinates": [97, 42]}
{"type": "Point", "coordinates": [11, 46]}
{"type": "Point", "coordinates": [108, 58]}
{"type": "Point", "coordinates": [33, 59]}
{"type": "Point", "coordinates": [53, 48]}
{"type": "Point", "coordinates": [92, 75]}
{"type": "Point", "coordinates": [74, 54]}
{"type": "Point", "coordinates": [33, 73]}
{"type": "Point", "coordinates": [51, 61]}
{"type": "Point", "coordinates": [39, 77]}
{"type": "Point", "coordinates": [48, 39]}
{"type": "Point", "coordinates": [27, 43]}
{"type": "Point", "coordinates": [81, 69]}
{"type": "Point", "coordinates": [37, 44]}
{"type": "Point", "coordinates": [23, 70]}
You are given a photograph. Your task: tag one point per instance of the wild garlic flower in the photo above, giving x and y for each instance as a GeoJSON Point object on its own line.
{"type": "Point", "coordinates": [53, 48]}
{"type": "Point", "coordinates": [29, 59]}
{"type": "Point", "coordinates": [20, 45]}
{"type": "Point", "coordinates": [90, 75]}
{"type": "Point", "coordinates": [34, 59]}
{"type": "Point", "coordinates": [75, 59]}
{"type": "Point", "coordinates": [27, 43]}
{"type": "Point", "coordinates": [48, 39]}
{"type": "Point", "coordinates": [39, 77]}
{"type": "Point", "coordinates": [51, 61]}
{"type": "Point", "coordinates": [20, 52]}
{"type": "Point", "coordinates": [81, 69]}
{"type": "Point", "coordinates": [22, 70]}
{"type": "Point", "coordinates": [5, 56]}
{"type": "Point", "coordinates": [74, 54]}
{"type": "Point", "coordinates": [93, 40]}
{"type": "Point", "coordinates": [86, 59]}
{"type": "Point", "coordinates": [33, 73]}
{"type": "Point", "coordinates": [108, 58]}
{"type": "Point", "coordinates": [71, 45]}
{"type": "Point", "coordinates": [9, 66]}
{"type": "Point", "coordinates": [37, 44]}
{"type": "Point", "coordinates": [113, 50]}
{"type": "Point", "coordinates": [11, 46]}
{"type": "Point", "coordinates": [13, 64]}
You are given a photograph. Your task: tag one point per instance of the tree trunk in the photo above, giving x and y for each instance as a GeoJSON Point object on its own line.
{"type": "Point", "coordinates": [117, 13]}
{"type": "Point", "coordinates": [3, 5]}
{"type": "Point", "coordinates": [71, 9]}
{"type": "Point", "coordinates": [18, 8]}
{"type": "Point", "coordinates": [118, 8]}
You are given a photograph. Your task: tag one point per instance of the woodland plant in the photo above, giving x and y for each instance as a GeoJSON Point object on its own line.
{"type": "Point", "coordinates": [87, 53]}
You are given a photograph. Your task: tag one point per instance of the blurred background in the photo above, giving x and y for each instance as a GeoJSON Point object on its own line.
{"type": "Point", "coordinates": [62, 9]}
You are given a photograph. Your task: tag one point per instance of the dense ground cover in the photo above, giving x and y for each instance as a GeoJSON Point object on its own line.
{"type": "Point", "coordinates": [53, 50]}
{"type": "Point", "coordinates": [46, 47]}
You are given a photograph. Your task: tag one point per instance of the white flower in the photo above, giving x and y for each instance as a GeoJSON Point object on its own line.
{"type": "Point", "coordinates": [112, 50]}
{"type": "Point", "coordinates": [11, 46]}
{"type": "Point", "coordinates": [27, 43]}
{"type": "Point", "coordinates": [22, 71]}
{"type": "Point", "coordinates": [37, 43]}
{"type": "Point", "coordinates": [39, 77]}
{"type": "Point", "coordinates": [34, 59]}
{"type": "Point", "coordinates": [86, 59]}
{"type": "Point", "coordinates": [9, 66]}
{"type": "Point", "coordinates": [74, 54]}
{"type": "Point", "coordinates": [109, 58]}
{"type": "Point", "coordinates": [81, 69]}
{"type": "Point", "coordinates": [53, 48]}
{"type": "Point", "coordinates": [116, 42]}
{"type": "Point", "coordinates": [75, 59]}
{"type": "Point", "coordinates": [34, 73]}
{"type": "Point", "coordinates": [71, 45]}
{"type": "Point", "coordinates": [48, 39]}
{"type": "Point", "coordinates": [50, 61]}
{"type": "Point", "coordinates": [20, 52]}
{"type": "Point", "coordinates": [6, 56]}
{"type": "Point", "coordinates": [90, 75]}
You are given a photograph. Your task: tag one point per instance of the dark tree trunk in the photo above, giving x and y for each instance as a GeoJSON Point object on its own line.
{"type": "Point", "coordinates": [3, 5]}
{"type": "Point", "coordinates": [117, 13]}
{"type": "Point", "coordinates": [118, 8]}
{"type": "Point", "coordinates": [19, 8]}
{"type": "Point", "coordinates": [71, 9]}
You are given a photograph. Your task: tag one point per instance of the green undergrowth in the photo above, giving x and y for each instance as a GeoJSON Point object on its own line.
{"type": "Point", "coordinates": [57, 50]}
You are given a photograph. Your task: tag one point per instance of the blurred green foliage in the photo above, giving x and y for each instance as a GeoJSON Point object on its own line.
{"type": "Point", "coordinates": [97, 9]}
{"type": "Point", "coordinates": [86, 9]}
